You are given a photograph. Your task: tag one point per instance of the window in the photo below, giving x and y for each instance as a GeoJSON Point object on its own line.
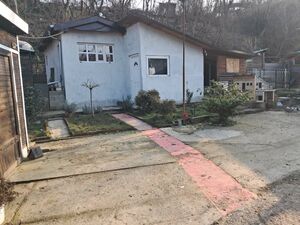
{"type": "Point", "coordinates": [158, 66]}
{"type": "Point", "coordinates": [232, 65]}
{"type": "Point", "coordinates": [260, 98]}
{"type": "Point", "coordinates": [95, 53]}
{"type": "Point", "coordinates": [52, 75]}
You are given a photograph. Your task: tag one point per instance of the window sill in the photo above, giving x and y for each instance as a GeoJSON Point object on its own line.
{"type": "Point", "coordinates": [159, 75]}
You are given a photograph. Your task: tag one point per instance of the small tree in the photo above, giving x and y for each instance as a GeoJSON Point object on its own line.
{"type": "Point", "coordinates": [90, 85]}
{"type": "Point", "coordinates": [34, 103]}
{"type": "Point", "coordinates": [223, 101]}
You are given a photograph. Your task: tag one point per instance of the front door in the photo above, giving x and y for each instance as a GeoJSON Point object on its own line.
{"type": "Point", "coordinates": [135, 75]}
{"type": "Point", "coordinates": [9, 140]}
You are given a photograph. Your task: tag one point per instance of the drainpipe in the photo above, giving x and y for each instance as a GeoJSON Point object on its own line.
{"type": "Point", "coordinates": [23, 102]}
{"type": "Point", "coordinates": [61, 67]}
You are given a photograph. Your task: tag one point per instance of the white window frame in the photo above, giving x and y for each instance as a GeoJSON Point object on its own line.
{"type": "Point", "coordinates": [158, 57]}
{"type": "Point", "coordinates": [103, 45]}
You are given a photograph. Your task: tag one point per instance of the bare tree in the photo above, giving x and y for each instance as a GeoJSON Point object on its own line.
{"type": "Point", "coordinates": [90, 85]}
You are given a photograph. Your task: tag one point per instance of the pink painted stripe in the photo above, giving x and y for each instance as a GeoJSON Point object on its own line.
{"type": "Point", "coordinates": [219, 187]}
{"type": "Point", "coordinates": [130, 120]}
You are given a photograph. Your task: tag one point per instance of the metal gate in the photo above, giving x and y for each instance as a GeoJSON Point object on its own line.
{"type": "Point", "coordinates": [9, 139]}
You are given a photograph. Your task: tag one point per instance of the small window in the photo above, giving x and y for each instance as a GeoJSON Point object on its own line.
{"type": "Point", "coordinates": [158, 66]}
{"type": "Point", "coordinates": [247, 84]}
{"type": "Point", "coordinates": [232, 65]}
{"type": "Point", "coordinates": [260, 85]}
{"type": "Point", "coordinates": [260, 98]}
{"type": "Point", "coordinates": [251, 84]}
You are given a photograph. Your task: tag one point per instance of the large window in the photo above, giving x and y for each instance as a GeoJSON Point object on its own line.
{"type": "Point", "coordinates": [158, 65]}
{"type": "Point", "coordinates": [95, 52]}
{"type": "Point", "coordinates": [232, 65]}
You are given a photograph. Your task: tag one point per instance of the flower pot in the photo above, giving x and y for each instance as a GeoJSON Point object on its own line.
{"type": "Point", "coordinates": [2, 215]}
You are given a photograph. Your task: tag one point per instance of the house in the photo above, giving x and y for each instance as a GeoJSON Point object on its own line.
{"type": "Point", "coordinates": [229, 67]}
{"type": "Point", "coordinates": [123, 57]}
{"type": "Point", "coordinates": [13, 132]}
{"type": "Point", "coordinates": [293, 64]}
{"type": "Point", "coordinates": [233, 67]}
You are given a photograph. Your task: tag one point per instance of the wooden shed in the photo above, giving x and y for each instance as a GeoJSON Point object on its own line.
{"type": "Point", "coordinates": [13, 128]}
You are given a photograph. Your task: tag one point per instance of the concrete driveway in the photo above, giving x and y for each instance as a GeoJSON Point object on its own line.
{"type": "Point", "coordinates": [125, 178]}
{"type": "Point", "coordinates": [121, 178]}
{"type": "Point", "coordinates": [262, 152]}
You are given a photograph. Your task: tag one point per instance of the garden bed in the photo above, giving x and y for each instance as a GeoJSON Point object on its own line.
{"type": "Point", "coordinates": [160, 121]}
{"type": "Point", "coordinates": [80, 124]}
{"type": "Point", "coordinates": [37, 130]}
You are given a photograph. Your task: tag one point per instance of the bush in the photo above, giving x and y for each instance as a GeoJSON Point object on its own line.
{"type": "Point", "coordinates": [147, 101]}
{"type": "Point", "coordinates": [6, 192]}
{"type": "Point", "coordinates": [167, 107]}
{"type": "Point", "coordinates": [98, 109]}
{"type": "Point", "coordinates": [70, 109]}
{"type": "Point", "coordinates": [126, 104]}
{"type": "Point", "coordinates": [34, 103]}
{"type": "Point", "coordinates": [223, 102]}
{"type": "Point", "coordinates": [189, 96]}
{"type": "Point", "coordinates": [87, 109]}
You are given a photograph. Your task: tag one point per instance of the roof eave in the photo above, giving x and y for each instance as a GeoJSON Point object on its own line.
{"type": "Point", "coordinates": [11, 21]}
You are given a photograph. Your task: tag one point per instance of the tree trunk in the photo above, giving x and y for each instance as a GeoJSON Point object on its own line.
{"type": "Point", "coordinates": [91, 98]}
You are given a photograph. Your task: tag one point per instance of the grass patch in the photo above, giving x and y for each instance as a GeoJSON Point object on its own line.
{"type": "Point", "coordinates": [158, 120]}
{"type": "Point", "coordinates": [36, 130]}
{"type": "Point", "coordinates": [80, 124]}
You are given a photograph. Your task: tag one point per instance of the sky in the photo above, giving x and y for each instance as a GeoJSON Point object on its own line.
{"type": "Point", "coordinates": [139, 3]}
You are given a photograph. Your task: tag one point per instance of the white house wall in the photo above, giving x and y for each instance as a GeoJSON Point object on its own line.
{"type": "Point", "coordinates": [52, 60]}
{"type": "Point", "coordinates": [157, 43]}
{"type": "Point", "coordinates": [110, 76]}
{"type": "Point", "coordinates": [133, 51]}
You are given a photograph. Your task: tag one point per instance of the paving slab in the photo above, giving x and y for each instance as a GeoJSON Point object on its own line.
{"type": "Point", "coordinates": [137, 124]}
{"type": "Point", "coordinates": [90, 155]}
{"type": "Point", "coordinates": [149, 195]}
{"type": "Point", "coordinates": [58, 128]}
{"type": "Point", "coordinates": [203, 135]}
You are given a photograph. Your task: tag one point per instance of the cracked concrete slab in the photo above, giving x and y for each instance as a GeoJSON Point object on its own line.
{"type": "Point", "coordinates": [267, 150]}
{"type": "Point", "coordinates": [92, 154]}
{"type": "Point", "coordinates": [203, 135]}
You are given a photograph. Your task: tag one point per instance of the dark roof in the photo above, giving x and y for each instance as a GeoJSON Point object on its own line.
{"type": "Point", "coordinates": [95, 23]}
{"type": "Point", "coordinates": [231, 53]}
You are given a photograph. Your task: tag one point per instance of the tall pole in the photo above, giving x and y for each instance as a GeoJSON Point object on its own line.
{"type": "Point", "coordinates": [183, 55]}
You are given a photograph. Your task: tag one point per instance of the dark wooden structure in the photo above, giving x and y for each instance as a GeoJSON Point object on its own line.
{"type": "Point", "coordinates": [13, 130]}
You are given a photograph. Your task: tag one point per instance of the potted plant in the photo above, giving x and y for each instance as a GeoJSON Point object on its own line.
{"type": "Point", "coordinates": [6, 195]}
